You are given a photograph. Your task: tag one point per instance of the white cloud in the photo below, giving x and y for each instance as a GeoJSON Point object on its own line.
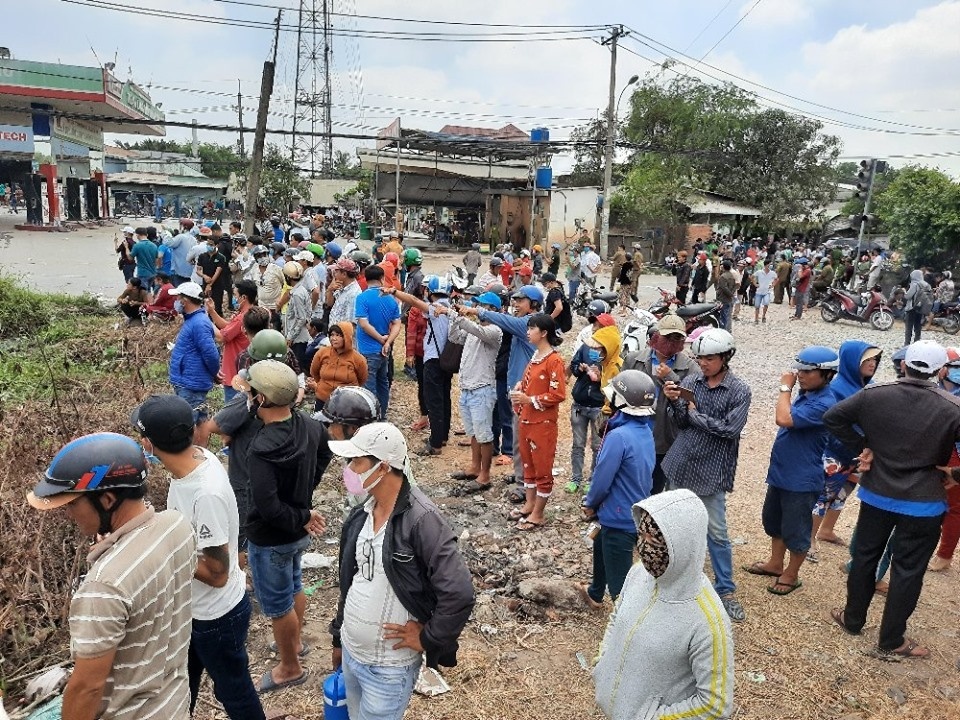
{"type": "Point", "coordinates": [775, 13]}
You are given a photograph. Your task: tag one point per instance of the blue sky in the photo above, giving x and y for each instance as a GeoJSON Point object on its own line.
{"type": "Point", "coordinates": [889, 64]}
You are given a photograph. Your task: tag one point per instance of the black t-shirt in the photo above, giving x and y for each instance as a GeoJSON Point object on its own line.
{"type": "Point", "coordinates": [241, 426]}
{"type": "Point", "coordinates": [564, 319]}
{"type": "Point", "coordinates": [209, 262]}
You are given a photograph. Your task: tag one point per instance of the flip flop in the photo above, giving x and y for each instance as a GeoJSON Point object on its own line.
{"type": "Point", "coordinates": [517, 514]}
{"type": "Point", "coordinates": [790, 588]}
{"type": "Point", "coordinates": [304, 649]}
{"type": "Point", "coordinates": [503, 460]}
{"type": "Point", "coordinates": [267, 683]}
{"type": "Point", "coordinates": [516, 496]}
{"type": "Point", "coordinates": [907, 651]}
{"type": "Point", "coordinates": [755, 569]}
{"type": "Point", "coordinates": [527, 525]}
{"type": "Point", "coordinates": [836, 614]}
{"type": "Point", "coordinates": [473, 487]}
{"type": "Point", "coordinates": [463, 475]}
{"type": "Point", "coordinates": [464, 443]}
{"type": "Point", "coordinates": [840, 542]}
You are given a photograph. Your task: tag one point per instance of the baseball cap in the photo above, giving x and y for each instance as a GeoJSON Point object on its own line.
{"type": "Point", "coordinates": [671, 324]}
{"type": "Point", "coordinates": [529, 292]}
{"type": "Point", "coordinates": [383, 441]}
{"type": "Point", "coordinates": [925, 356]}
{"type": "Point", "coordinates": [347, 265]}
{"type": "Point", "coordinates": [205, 232]}
{"type": "Point", "coordinates": [188, 289]}
{"type": "Point", "coordinates": [526, 271]}
{"type": "Point", "coordinates": [548, 277]}
{"type": "Point", "coordinates": [488, 298]}
{"type": "Point", "coordinates": [166, 420]}
{"type": "Point", "coordinates": [496, 262]}
{"type": "Point", "coordinates": [128, 230]}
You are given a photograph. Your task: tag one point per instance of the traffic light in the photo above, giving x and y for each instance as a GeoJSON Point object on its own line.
{"type": "Point", "coordinates": [865, 178]}
{"type": "Point", "coordinates": [866, 220]}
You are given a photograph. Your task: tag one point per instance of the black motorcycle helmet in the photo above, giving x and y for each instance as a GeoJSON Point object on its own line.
{"type": "Point", "coordinates": [361, 258]}
{"type": "Point", "coordinates": [350, 405]}
{"type": "Point", "coordinates": [92, 465]}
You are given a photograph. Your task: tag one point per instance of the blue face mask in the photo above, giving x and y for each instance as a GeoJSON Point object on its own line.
{"type": "Point", "coordinates": [593, 356]}
{"type": "Point", "coordinates": [954, 376]}
{"type": "Point", "coordinates": [178, 306]}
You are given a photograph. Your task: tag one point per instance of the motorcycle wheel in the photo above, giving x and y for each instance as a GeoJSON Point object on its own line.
{"type": "Point", "coordinates": [951, 324]}
{"type": "Point", "coordinates": [829, 311]}
{"type": "Point", "coordinates": [881, 319]}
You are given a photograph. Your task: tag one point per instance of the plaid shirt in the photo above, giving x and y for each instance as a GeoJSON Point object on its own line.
{"type": "Point", "coordinates": [703, 458]}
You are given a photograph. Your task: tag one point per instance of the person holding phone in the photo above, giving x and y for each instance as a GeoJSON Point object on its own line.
{"type": "Point", "coordinates": [703, 458]}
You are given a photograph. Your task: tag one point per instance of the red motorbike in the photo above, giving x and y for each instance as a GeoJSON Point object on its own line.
{"type": "Point", "coordinates": [694, 314]}
{"type": "Point", "coordinates": [866, 307]}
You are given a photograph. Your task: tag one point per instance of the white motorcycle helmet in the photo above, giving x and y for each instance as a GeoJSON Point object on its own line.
{"type": "Point", "coordinates": [714, 342]}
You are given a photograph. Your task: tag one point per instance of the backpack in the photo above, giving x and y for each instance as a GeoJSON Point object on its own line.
{"type": "Point", "coordinates": [924, 299]}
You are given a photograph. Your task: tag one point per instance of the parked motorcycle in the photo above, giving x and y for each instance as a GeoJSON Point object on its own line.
{"type": "Point", "coordinates": [947, 318]}
{"type": "Point", "coordinates": [694, 314]}
{"type": "Point", "coordinates": [637, 331]}
{"type": "Point", "coordinates": [586, 294]}
{"type": "Point", "coordinates": [863, 307]}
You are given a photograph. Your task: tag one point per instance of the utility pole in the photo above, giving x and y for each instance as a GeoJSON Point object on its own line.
{"type": "Point", "coordinates": [240, 116]}
{"type": "Point", "coordinates": [615, 34]}
{"type": "Point", "coordinates": [865, 180]}
{"type": "Point", "coordinates": [256, 159]}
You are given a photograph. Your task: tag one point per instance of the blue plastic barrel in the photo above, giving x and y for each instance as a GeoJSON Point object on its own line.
{"type": "Point", "coordinates": [335, 697]}
{"type": "Point", "coordinates": [544, 178]}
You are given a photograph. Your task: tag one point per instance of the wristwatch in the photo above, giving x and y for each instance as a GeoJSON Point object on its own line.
{"type": "Point", "coordinates": [786, 389]}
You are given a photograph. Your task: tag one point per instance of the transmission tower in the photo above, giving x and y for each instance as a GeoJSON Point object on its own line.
{"type": "Point", "coordinates": [312, 102]}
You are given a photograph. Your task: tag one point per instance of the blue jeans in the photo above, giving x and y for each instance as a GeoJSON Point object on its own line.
{"type": "Point", "coordinates": [718, 544]}
{"type": "Point", "coordinates": [503, 421]}
{"type": "Point", "coordinates": [612, 560]}
{"type": "Point", "coordinates": [726, 315]}
{"type": "Point", "coordinates": [378, 381]}
{"type": "Point", "coordinates": [228, 394]}
{"type": "Point", "coordinates": [377, 692]}
{"type": "Point", "coordinates": [276, 575]}
{"type": "Point", "coordinates": [220, 647]}
{"type": "Point", "coordinates": [197, 400]}
{"type": "Point", "coordinates": [572, 286]}
{"type": "Point", "coordinates": [583, 418]}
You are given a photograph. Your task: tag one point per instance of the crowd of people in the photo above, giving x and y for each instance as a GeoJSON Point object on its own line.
{"type": "Point", "coordinates": [277, 321]}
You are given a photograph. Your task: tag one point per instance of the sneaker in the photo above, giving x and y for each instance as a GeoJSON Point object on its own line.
{"type": "Point", "coordinates": [734, 608]}
{"type": "Point", "coordinates": [572, 487]}
{"type": "Point", "coordinates": [585, 488]}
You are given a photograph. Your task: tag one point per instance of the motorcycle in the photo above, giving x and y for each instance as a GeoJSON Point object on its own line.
{"type": "Point", "coordinates": [694, 314]}
{"type": "Point", "coordinates": [864, 307]}
{"type": "Point", "coordinates": [947, 318]}
{"type": "Point", "coordinates": [637, 331]}
{"type": "Point", "coordinates": [586, 294]}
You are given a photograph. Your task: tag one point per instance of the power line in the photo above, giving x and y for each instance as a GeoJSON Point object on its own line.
{"type": "Point", "coordinates": [735, 25]}
{"type": "Point", "coordinates": [707, 26]}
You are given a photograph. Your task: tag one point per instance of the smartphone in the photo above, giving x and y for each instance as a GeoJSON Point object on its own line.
{"type": "Point", "coordinates": [686, 394]}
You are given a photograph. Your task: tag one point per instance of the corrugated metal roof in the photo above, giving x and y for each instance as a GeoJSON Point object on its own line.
{"type": "Point", "coordinates": [703, 202]}
{"type": "Point", "coordinates": [142, 178]}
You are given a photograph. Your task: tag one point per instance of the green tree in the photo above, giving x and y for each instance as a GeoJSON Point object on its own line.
{"type": "Point", "coordinates": [346, 165]}
{"type": "Point", "coordinates": [920, 208]}
{"type": "Point", "coordinates": [652, 191]}
{"type": "Point", "coordinates": [216, 160]}
{"type": "Point", "coordinates": [281, 184]}
{"type": "Point", "coordinates": [718, 138]}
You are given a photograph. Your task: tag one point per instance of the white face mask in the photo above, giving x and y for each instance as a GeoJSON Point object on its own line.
{"type": "Point", "coordinates": [263, 261]}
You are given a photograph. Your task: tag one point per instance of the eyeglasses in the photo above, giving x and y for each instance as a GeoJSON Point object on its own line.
{"type": "Point", "coordinates": [369, 557]}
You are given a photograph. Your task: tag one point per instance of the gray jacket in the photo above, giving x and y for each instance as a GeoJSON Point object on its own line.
{"type": "Point", "coordinates": [478, 364]}
{"type": "Point", "coordinates": [665, 428]}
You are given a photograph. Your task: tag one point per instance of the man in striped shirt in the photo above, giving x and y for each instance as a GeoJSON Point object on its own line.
{"type": "Point", "coordinates": [130, 618]}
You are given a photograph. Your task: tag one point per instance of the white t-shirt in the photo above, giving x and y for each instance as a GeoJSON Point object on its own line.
{"type": "Point", "coordinates": [590, 264]}
{"type": "Point", "coordinates": [764, 281]}
{"type": "Point", "coordinates": [206, 499]}
{"type": "Point", "coordinates": [371, 602]}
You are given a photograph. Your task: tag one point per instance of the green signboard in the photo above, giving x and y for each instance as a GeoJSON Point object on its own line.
{"type": "Point", "coordinates": [51, 76]}
{"type": "Point", "coordinates": [135, 99]}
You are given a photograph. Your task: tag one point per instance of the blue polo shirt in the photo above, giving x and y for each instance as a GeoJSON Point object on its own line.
{"type": "Point", "coordinates": [380, 311]}
{"type": "Point", "coordinates": [144, 253]}
{"type": "Point", "coordinates": [796, 462]}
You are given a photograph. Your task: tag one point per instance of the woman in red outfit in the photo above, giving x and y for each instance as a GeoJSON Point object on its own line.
{"type": "Point", "coordinates": [536, 400]}
{"type": "Point", "coordinates": [416, 330]}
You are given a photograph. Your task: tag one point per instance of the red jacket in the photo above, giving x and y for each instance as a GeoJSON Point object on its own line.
{"type": "Point", "coordinates": [416, 331]}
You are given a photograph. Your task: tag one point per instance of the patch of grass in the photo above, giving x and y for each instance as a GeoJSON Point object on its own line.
{"type": "Point", "coordinates": [26, 312]}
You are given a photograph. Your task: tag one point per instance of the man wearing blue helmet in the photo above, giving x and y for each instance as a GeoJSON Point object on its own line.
{"type": "Point", "coordinates": [795, 475]}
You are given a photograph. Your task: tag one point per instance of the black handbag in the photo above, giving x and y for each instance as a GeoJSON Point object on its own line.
{"type": "Point", "coordinates": [449, 358]}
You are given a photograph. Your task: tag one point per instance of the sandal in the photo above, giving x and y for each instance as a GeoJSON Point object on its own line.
{"type": "Point", "coordinates": [837, 615]}
{"type": "Point", "coordinates": [471, 488]}
{"type": "Point", "coordinates": [758, 569]}
{"type": "Point", "coordinates": [517, 496]}
{"type": "Point", "coordinates": [503, 460]}
{"type": "Point", "coordinates": [463, 475]}
{"type": "Point", "coordinates": [840, 542]}
{"type": "Point", "coordinates": [790, 587]}
{"type": "Point", "coordinates": [517, 514]}
{"type": "Point", "coordinates": [526, 525]}
{"type": "Point", "coordinates": [909, 650]}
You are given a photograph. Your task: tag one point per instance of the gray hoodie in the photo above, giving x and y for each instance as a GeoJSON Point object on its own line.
{"type": "Point", "coordinates": [911, 299]}
{"type": "Point", "coordinates": [668, 648]}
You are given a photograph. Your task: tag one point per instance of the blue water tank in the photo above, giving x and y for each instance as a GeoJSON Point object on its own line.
{"type": "Point", "coordinates": [544, 178]}
{"type": "Point", "coordinates": [540, 135]}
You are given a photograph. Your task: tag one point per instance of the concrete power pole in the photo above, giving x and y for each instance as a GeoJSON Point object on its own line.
{"type": "Point", "coordinates": [259, 137]}
{"type": "Point", "coordinates": [615, 34]}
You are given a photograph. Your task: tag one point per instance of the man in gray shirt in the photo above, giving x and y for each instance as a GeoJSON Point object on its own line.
{"type": "Point", "coordinates": [478, 390]}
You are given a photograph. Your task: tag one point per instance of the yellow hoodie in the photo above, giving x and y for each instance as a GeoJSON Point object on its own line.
{"type": "Point", "coordinates": [609, 338]}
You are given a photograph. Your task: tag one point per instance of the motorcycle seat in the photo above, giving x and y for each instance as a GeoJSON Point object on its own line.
{"type": "Point", "coordinates": [694, 309]}
{"type": "Point", "coordinates": [608, 297]}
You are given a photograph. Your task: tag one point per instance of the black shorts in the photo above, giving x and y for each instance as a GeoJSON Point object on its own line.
{"type": "Point", "coordinates": [788, 515]}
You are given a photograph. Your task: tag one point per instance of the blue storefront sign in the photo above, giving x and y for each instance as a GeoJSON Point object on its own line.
{"type": "Point", "coordinates": [16, 139]}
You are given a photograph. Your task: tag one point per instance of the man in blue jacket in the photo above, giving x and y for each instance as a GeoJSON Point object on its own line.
{"type": "Point", "coordinates": [181, 244]}
{"type": "Point", "coordinates": [526, 301]}
{"type": "Point", "coordinates": [622, 477]}
{"type": "Point", "coordinates": [195, 360]}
